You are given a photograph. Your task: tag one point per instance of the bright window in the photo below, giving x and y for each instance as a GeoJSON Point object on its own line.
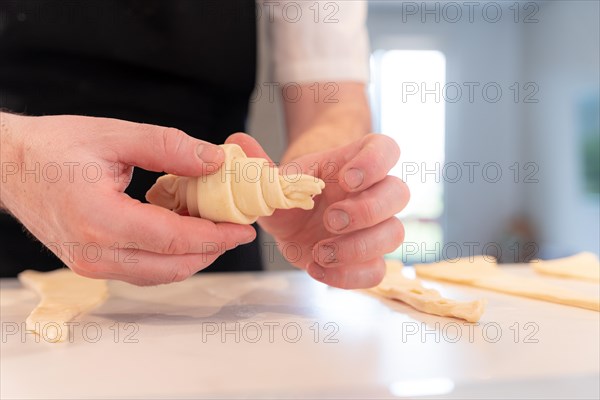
{"type": "Point", "coordinates": [407, 100]}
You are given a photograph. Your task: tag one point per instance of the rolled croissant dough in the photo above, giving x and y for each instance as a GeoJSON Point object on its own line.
{"type": "Point", "coordinates": [242, 190]}
{"type": "Point", "coordinates": [63, 296]}
{"type": "Point", "coordinates": [410, 291]}
{"type": "Point", "coordinates": [482, 273]}
{"type": "Point", "coordinates": [584, 266]}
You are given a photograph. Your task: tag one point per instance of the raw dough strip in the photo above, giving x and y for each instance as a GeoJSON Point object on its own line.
{"type": "Point", "coordinates": [63, 296]}
{"type": "Point", "coordinates": [242, 190]}
{"type": "Point", "coordinates": [410, 291]}
{"type": "Point", "coordinates": [479, 272]}
{"type": "Point", "coordinates": [584, 266]}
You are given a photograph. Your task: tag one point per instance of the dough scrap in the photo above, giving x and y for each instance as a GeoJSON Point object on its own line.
{"type": "Point", "coordinates": [244, 189]}
{"type": "Point", "coordinates": [410, 291]}
{"type": "Point", "coordinates": [479, 272]}
{"type": "Point", "coordinates": [63, 296]}
{"type": "Point", "coordinates": [584, 266]}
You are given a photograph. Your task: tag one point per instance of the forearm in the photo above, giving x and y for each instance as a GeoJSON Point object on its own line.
{"type": "Point", "coordinates": [328, 121]}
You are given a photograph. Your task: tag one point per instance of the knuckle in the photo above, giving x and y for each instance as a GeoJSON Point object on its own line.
{"type": "Point", "coordinates": [393, 147]}
{"type": "Point", "coordinates": [397, 231]}
{"type": "Point", "coordinates": [386, 151]}
{"type": "Point", "coordinates": [377, 273]}
{"type": "Point", "coordinates": [378, 165]}
{"type": "Point", "coordinates": [371, 210]}
{"type": "Point", "coordinates": [371, 137]}
{"type": "Point", "coordinates": [89, 236]}
{"type": "Point", "coordinates": [142, 279]}
{"type": "Point", "coordinates": [139, 281]}
{"type": "Point", "coordinates": [388, 143]}
{"type": "Point", "coordinates": [80, 270]}
{"type": "Point", "coordinates": [402, 187]}
{"type": "Point", "coordinates": [180, 273]}
{"type": "Point", "coordinates": [221, 234]}
{"type": "Point", "coordinates": [343, 279]}
{"type": "Point", "coordinates": [83, 266]}
{"type": "Point", "coordinates": [360, 249]}
{"type": "Point", "coordinates": [74, 257]}
{"type": "Point", "coordinates": [398, 191]}
{"type": "Point", "coordinates": [170, 141]}
{"type": "Point", "coordinates": [375, 210]}
{"type": "Point", "coordinates": [398, 184]}
{"type": "Point", "coordinates": [89, 230]}
{"type": "Point", "coordinates": [176, 244]}
{"type": "Point", "coordinates": [87, 269]}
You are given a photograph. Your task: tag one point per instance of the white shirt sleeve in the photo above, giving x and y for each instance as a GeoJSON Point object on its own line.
{"type": "Point", "coordinates": [317, 41]}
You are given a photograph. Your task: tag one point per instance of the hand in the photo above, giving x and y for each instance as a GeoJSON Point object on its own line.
{"type": "Point", "coordinates": [73, 201]}
{"type": "Point", "coordinates": [342, 240]}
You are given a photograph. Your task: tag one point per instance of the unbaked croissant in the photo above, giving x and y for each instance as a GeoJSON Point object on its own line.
{"type": "Point", "coordinates": [242, 190]}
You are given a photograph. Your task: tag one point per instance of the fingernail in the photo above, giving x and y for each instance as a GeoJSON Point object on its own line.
{"type": "Point", "coordinates": [338, 219]}
{"type": "Point", "coordinates": [326, 254]}
{"type": "Point", "coordinates": [316, 272]}
{"type": "Point", "coordinates": [354, 178]}
{"type": "Point", "coordinates": [209, 153]}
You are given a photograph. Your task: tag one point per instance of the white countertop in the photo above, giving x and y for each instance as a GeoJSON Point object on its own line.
{"type": "Point", "coordinates": [281, 334]}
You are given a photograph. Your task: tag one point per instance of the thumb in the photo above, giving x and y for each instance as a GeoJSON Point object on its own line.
{"type": "Point", "coordinates": [157, 148]}
{"type": "Point", "coordinates": [249, 145]}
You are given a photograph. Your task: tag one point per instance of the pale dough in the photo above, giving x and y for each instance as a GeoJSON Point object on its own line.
{"type": "Point", "coordinates": [63, 296]}
{"type": "Point", "coordinates": [242, 190]}
{"type": "Point", "coordinates": [410, 291]}
{"type": "Point", "coordinates": [584, 266]}
{"type": "Point", "coordinates": [481, 272]}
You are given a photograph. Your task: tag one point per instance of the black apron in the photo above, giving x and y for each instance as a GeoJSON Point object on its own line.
{"type": "Point", "coordinates": [188, 64]}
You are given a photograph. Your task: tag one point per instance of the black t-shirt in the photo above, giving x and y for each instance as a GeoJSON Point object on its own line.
{"type": "Point", "coordinates": [188, 64]}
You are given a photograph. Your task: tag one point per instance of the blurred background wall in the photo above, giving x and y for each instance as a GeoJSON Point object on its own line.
{"type": "Point", "coordinates": [528, 156]}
